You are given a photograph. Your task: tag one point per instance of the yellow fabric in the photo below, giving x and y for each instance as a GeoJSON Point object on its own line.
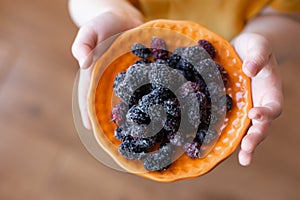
{"type": "Point", "coordinates": [226, 17]}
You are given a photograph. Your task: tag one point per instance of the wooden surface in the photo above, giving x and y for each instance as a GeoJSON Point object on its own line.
{"type": "Point", "coordinates": [42, 157]}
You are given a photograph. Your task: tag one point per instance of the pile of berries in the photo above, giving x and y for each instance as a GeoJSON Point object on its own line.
{"type": "Point", "coordinates": [166, 103]}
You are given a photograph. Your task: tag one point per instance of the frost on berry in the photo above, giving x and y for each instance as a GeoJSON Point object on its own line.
{"type": "Point", "coordinates": [170, 101]}
{"type": "Point", "coordinates": [161, 74]}
{"type": "Point", "coordinates": [161, 159]}
{"type": "Point", "coordinates": [140, 50]}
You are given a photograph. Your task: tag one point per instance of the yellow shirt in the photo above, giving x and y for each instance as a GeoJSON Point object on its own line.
{"type": "Point", "coordinates": [226, 17]}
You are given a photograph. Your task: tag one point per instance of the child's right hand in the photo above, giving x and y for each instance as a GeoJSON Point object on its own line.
{"type": "Point", "coordinates": [89, 36]}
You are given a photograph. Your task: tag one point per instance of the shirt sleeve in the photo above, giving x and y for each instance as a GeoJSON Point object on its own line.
{"type": "Point", "coordinates": [287, 6]}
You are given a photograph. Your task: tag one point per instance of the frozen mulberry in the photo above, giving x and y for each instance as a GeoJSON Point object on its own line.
{"type": "Point", "coordinates": [118, 114]}
{"type": "Point", "coordinates": [122, 134]}
{"type": "Point", "coordinates": [175, 57]}
{"type": "Point", "coordinates": [139, 93]}
{"type": "Point", "coordinates": [161, 159]}
{"type": "Point", "coordinates": [208, 70]}
{"type": "Point", "coordinates": [161, 74]}
{"type": "Point", "coordinates": [138, 130]}
{"type": "Point", "coordinates": [192, 149]}
{"type": "Point", "coordinates": [118, 79]}
{"type": "Point", "coordinates": [135, 115]}
{"type": "Point", "coordinates": [124, 91]}
{"type": "Point", "coordinates": [136, 77]}
{"type": "Point", "coordinates": [224, 73]}
{"type": "Point", "coordinates": [172, 107]}
{"type": "Point", "coordinates": [143, 61]}
{"type": "Point", "coordinates": [136, 149]}
{"type": "Point", "coordinates": [194, 54]}
{"type": "Point", "coordinates": [195, 105]}
{"type": "Point", "coordinates": [140, 50]}
{"type": "Point", "coordinates": [159, 48]}
{"type": "Point", "coordinates": [208, 47]}
{"type": "Point", "coordinates": [228, 103]}
{"type": "Point", "coordinates": [179, 138]}
{"type": "Point", "coordinates": [172, 123]}
{"type": "Point", "coordinates": [157, 96]}
{"type": "Point", "coordinates": [210, 135]}
{"type": "Point", "coordinates": [200, 135]}
{"type": "Point", "coordinates": [186, 69]}
{"type": "Point", "coordinates": [188, 88]}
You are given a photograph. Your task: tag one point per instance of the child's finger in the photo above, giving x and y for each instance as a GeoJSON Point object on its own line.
{"type": "Point", "coordinates": [264, 114]}
{"type": "Point", "coordinates": [83, 87]}
{"type": "Point", "coordinates": [257, 56]}
{"type": "Point", "coordinates": [84, 43]}
{"type": "Point", "coordinates": [255, 135]}
{"type": "Point", "coordinates": [245, 158]}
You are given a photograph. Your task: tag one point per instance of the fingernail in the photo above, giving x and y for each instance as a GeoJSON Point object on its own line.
{"type": "Point", "coordinates": [244, 158]}
{"type": "Point", "coordinates": [257, 117]}
{"type": "Point", "coordinates": [250, 69]}
{"type": "Point", "coordinates": [81, 62]}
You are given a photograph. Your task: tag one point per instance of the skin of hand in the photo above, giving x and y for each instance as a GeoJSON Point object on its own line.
{"type": "Point", "coordinates": [262, 45]}
{"type": "Point", "coordinates": [257, 46]}
{"type": "Point", "coordinates": [111, 18]}
{"type": "Point", "coordinates": [260, 64]}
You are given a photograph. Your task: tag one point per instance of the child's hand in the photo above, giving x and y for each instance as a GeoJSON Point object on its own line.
{"type": "Point", "coordinates": [89, 36]}
{"type": "Point", "coordinates": [260, 64]}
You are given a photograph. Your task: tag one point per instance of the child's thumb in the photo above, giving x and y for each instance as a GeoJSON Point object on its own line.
{"type": "Point", "coordinates": [82, 47]}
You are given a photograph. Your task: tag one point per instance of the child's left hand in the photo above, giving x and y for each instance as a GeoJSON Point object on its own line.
{"type": "Point", "coordinates": [260, 64]}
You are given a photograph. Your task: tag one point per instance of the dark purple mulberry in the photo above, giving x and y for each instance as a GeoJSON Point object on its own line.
{"type": "Point", "coordinates": [188, 88]}
{"type": "Point", "coordinates": [200, 135]}
{"type": "Point", "coordinates": [172, 123]}
{"type": "Point", "coordinates": [138, 130]}
{"type": "Point", "coordinates": [228, 103]}
{"type": "Point", "coordinates": [194, 54]}
{"type": "Point", "coordinates": [224, 73]}
{"type": "Point", "coordinates": [192, 149]}
{"type": "Point", "coordinates": [215, 114]}
{"type": "Point", "coordinates": [159, 48]}
{"type": "Point", "coordinates": [121, 133]}
{"type": "Point", "coordinates": [118, 79]}
{"type": "Point", "coordinates": [161, 74]}
{"type": "Point", "coordinates": [208, 47]}
{"type": "Point", "coordinates": [187, 69]}
{"type": "Point", "coordinates": [136, 77]}
{"type": "Point", "coordinates": [172, 107]}
{"type": "Point", "coordinates": [208, 70]}
{"type": "Point", "coordinates": [140, 50]}
{"type": "Point", "coordinates": [136, 149]}
{"type": "Point", "coordinates": [161, 159]}
{"type": "Point", "coordinates": [215, 89]}
{"type": "Point", "coordinates": [179, 51]}
{"type": "Point", "coordinates": [157, 96]}
{"type": "Point", "coordinates": [139, 93]}
{"type": "Point", "coordinates": [175, 57]}
{"type": "Point", "coordinates": [210, 135]}
{"type": "Point", "coordinates": [135, 115]}
{"type": "Point", "coordinates": [195, 105]}
{"type": "Point", "coordinates": [161, 61]}
{"type": "Point", "coordinates": [118, 113]}
{"type": "Point", "coordinates": [179, 138]}
{"type": "Point", "coordinates": [143, 61]}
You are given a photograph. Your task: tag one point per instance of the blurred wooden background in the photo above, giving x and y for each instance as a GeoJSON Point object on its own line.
{"type": "Point", "coordinates": [42, 157]}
